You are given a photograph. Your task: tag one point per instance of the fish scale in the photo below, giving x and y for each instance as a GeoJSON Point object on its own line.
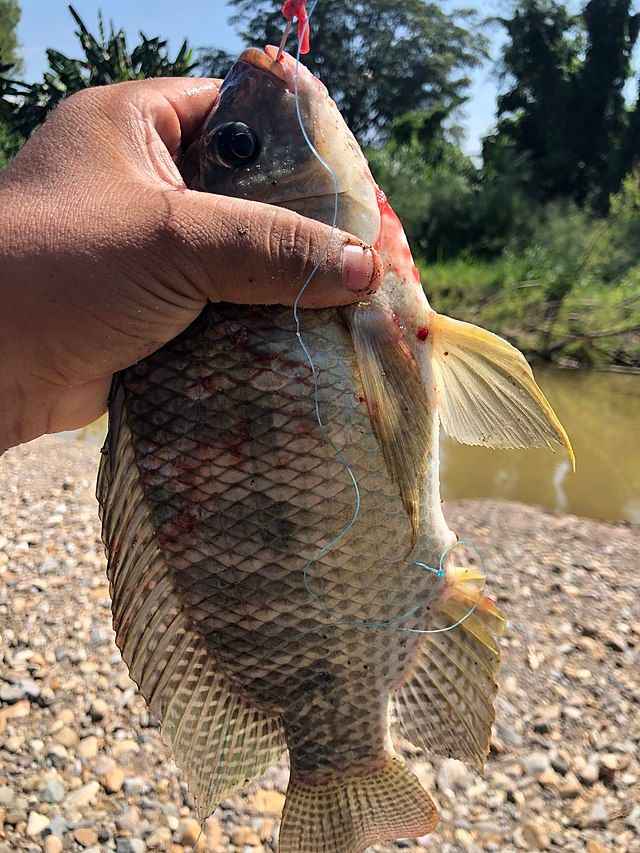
{"type": "Point", "coordinates": [239, 544]}
{"type": "Point", "coordinates": [255, 608]}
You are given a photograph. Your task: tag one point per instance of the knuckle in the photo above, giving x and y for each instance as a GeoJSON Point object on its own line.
{"type": "Point", "coordinates": [291, 243]}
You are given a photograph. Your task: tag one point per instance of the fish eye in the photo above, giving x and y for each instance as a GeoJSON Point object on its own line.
{"type": "Point", "coordinates": [235, 145]}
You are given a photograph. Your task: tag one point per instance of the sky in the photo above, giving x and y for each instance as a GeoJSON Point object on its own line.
{"type": "Point", "coordinates": [47, 23]}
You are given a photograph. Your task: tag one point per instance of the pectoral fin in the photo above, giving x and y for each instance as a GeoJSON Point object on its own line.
{"type": "Point", "coordinates": [486, 391]}
{"type": "Point", "coordinates": [397, 401]}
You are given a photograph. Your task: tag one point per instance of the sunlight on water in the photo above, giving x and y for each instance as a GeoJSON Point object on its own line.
{"type": "Point", "coordinates": [601, 413]}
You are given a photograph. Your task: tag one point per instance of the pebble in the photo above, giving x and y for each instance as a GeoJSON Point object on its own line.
{"type": "Point", "coordinates": [67, 737]}
{"type": "Point", "coordinates": [113, 780]}
{"type": "Point", "coordinates": [453, 775]}
{"type": "Point", "coordinates": [598, 815]}
{"type": "Point", "coordinates": [7, 795]}
{"type": "Point", "coordinates": [564, 769]}
{"type": "Point", "coordinates": [84, 796]}
{"type": "Point", "coordinates": [245, 835]}
{"type": "Point", "coordinates": [536, 835]}
{"type": "Point", "coordinates": [58, 826]}
{"type": "Point", "coordinates": [188, 831]}
{"type": "Point", "coordinates": [53, 844]}
{"type": "Point", "coordinates": [88, 747]}
{"type": "Point", "coordinates": [160, 839]}
{"type": "Point", "coordinates": [135, 785]}
{"type": "Point", "coordinates": [98, 710]}
{"type": "Point", "coordinates": [267, 802]}
{"type": "Point", "coordinates": [85, 836]}
{"type": "Point", "coordinates": [595, 847]}
{"type": "Point", "coordinates": [536, 763]}
{"type": "Point", "coordinates": [53, 791]}
{"type": "Point", "coordinates": [130, 845]}
{"type": "Point", "coordinates": [36, 824]}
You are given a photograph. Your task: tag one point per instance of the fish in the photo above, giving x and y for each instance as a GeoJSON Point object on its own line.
{"type": "Point", "coordinates": [256, 610]}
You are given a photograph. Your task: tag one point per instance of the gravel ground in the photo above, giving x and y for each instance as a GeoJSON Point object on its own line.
{"type": "Point", "coordinates": [82, 766]}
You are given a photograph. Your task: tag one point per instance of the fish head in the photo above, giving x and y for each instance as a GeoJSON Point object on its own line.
{"type": "Point", "coordinates": [258, 143]}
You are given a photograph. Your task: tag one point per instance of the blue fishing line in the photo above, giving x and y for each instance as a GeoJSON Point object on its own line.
{"type": "Point", "coordinates": [440, 573]}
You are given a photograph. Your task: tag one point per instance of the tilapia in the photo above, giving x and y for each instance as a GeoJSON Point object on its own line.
{"type": "Point", "coordinates": [220, 496]}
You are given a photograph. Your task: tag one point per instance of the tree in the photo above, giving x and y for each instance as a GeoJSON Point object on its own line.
{"type": "Point", "coordinates": [9, 20]}
{"type": "Point", "coordinates": [429, 181]}
{"type": "Point", "coordinates": [379, 58]}
{"type": "Point", "coordinates": [9, 59]}
{"type": "Point", "coordinates": [107, 59]}
{"type": "Point", "coordinates": [565, 108]}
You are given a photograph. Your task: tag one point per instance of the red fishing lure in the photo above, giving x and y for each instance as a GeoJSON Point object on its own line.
{"type": "Point", "coordinates": [298, 9]}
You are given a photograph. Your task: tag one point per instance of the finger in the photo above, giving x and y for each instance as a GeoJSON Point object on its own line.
{"type": "Point", "coordinates": [176, 106]}
{"type": "Point", "coordinates": [253, 253]}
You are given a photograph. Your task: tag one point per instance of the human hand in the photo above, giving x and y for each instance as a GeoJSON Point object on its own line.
{"type": "Point", "coordinates": [105, 255]}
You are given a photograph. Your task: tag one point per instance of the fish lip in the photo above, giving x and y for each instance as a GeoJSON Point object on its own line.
{"type": "Point", "coordinates": [286, 68]}
{"type": "Point", "coordinates": [265, 61]}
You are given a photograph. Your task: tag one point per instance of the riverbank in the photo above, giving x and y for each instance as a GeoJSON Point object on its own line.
{"type": "Point", "coordinates": [550, 305]}
{"type": "Point", "coordinates": [82, 766]}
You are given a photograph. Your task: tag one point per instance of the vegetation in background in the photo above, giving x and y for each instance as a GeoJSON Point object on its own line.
{"type": "Point", "coordinates": [9, 60]}
{"type": "Point", "coordinates": [107, 59]}
{"type": "Point", "coordinates": [565, 106]}
{"type": "Point", "coordinates": [540, 241]}
{"type": "Point", "coordinates": [378, 58]}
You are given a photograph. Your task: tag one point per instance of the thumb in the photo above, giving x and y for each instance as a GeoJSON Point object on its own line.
{"type": "Point", "coordinates": [253, 253]}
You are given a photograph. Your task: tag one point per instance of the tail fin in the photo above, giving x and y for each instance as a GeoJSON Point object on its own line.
{"type": "Point", "coordinates": [350, 814]}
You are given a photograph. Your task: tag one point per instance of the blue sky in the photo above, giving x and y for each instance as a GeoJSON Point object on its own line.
{"type": "Point", "coordinates": [47, 23]}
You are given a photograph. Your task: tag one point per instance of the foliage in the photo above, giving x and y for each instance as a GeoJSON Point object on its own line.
{"type": "Point", "coordinates": [379, 58]}
{"type": "Point", "coordinates": [9, 58]}
{"type": "Point", "coordinates": [569, 291]}
{"type": "Point", "coordinates": [429, 181]}
{"type": "Point", "coordinates": [9, 20]}
{"type": "Point", "coordinates": [107, 59]}
{"type": "Point", "coordinates": [565, 109]}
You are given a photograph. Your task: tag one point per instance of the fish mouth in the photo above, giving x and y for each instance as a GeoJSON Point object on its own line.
{"type": "Point", "coordinates": [283, 66]}
{"type": "Point", "coordinates": [265, 60]}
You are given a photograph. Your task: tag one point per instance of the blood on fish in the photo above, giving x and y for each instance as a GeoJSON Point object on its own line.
{"type": "Point", "coordinates": [422, 334]}
{"type": "Point", "coordinates": [392, 241]}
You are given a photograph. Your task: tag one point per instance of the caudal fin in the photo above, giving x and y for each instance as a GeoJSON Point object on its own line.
{"type": "Point", "coordinates": [348, 815]}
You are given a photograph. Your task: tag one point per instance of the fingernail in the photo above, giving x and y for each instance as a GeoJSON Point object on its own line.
{"type": "Point", "coordinates": [357, 268]}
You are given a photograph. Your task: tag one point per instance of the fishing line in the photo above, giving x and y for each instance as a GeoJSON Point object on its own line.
{"type": "Point", "coordinates": [440, 572]}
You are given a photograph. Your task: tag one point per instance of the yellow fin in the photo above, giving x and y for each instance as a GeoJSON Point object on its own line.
{"type": "Point", "coordinates": [464, 592]}
{"type": "Point", "coordinates": [350, 813]}
{"type": "Point", "coordinates": [397, 401]}
{"type": "Point", "coordinates": [486, 391]}
{"type": "Point", "coordinates": [446, 706]}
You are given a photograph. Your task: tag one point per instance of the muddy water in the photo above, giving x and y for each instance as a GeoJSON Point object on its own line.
{"type": "Point", "coordinates": [601, 413]}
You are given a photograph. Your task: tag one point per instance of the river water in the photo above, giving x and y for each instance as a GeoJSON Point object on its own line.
{"type": "Point", "coordinates": [601, 413]}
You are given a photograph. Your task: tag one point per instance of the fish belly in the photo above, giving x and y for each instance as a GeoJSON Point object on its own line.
{"type": "Point", "coordinates": [245, 492]}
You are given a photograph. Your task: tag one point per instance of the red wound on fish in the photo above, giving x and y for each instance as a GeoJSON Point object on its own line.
{"type": "Point", "coordinates": [422, 334]}
{"type": "Point", "coordinates": [298, 9]}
